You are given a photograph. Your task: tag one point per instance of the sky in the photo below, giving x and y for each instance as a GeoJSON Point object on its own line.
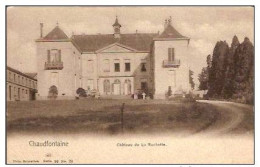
{"type": "Point", "coordinates": [204, 25]}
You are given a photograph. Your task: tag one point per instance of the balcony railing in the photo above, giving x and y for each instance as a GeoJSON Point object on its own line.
{"type": "Point", "coordinates": [174, 63]}
{"type": "Point", "coordinates": [53, 65]}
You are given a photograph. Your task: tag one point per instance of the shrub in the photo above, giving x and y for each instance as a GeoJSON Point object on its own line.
{"type": "Point", "coordinates": [81, 92]}
{"type": "Point", "coordinates": [53, 92]}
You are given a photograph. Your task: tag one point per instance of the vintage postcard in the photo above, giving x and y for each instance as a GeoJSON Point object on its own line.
{"type": "Point", "coordinates": [130, 85]}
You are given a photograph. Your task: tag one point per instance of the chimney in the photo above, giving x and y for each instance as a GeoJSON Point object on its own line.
{"type": "Point", "coordinates": [41, 28]}
{"type": "Point", "coordinates": [165, 23]}
{"type": "Point", "coordinates": [170, 20]}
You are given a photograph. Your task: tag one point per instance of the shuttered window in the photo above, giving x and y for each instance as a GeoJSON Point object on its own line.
{"type": "Point", "coordinates": [171, 55]}
{"type": "Point", "coordinates": [54, 55]}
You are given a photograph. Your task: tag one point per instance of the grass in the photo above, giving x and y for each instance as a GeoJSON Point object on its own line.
{"type": "Point", "coordinates": [104, 117]}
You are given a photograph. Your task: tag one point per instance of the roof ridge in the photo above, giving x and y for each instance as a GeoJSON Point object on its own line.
{"type": "Point", "coordinates": [113, 34]}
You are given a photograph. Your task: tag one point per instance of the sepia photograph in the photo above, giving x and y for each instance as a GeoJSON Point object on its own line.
{"type": "Point", "coordinates": [130, 85]}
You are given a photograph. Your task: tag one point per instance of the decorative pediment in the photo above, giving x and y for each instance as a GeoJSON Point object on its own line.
{"type": "Point", "coordinates": [116, 48]}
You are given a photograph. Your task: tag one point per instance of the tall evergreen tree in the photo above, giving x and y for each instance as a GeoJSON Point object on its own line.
{"type": "Point", "coordinates": [244, 71]}
{"type": "Point", "coordinates": [228, 88]}
{"type": "Point", "coordinates": [192, 84]}
{"type": "Point", "coordinates": [203, 79]}
{"type": "Point", "coordinates": [204, 75]}
{"type": "Point", "coordinates": [217, 69]}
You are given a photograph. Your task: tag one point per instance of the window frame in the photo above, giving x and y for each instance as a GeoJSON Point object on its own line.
{"type": "Point", "coordinates": [126, 69]}
{"type": "Point", "coordinates": [171, 54]}
{"type": "Point", "coordinates": [117, 69]}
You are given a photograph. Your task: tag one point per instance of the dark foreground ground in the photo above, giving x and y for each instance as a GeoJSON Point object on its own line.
{"type": "Point", "coordinates": [146, 117]}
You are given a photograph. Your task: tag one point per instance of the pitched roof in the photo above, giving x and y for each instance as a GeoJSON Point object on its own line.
{"type": "Point", "coordinates": [56, 34]}
{"type": "Point", "coordinates": [19, 72]}
{"type": "Point", "coordinates": [92, 43]}
{"type": "Point", "coordinates": [170, 32]}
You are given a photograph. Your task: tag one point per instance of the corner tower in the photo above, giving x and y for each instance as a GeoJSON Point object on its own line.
{"type": "Point", "coordinates": [57, 65]}
{"type": "Point", "coordinates": [170, 63]}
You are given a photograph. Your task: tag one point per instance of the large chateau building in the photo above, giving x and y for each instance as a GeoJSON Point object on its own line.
{"type": "Point", "coordinates": [113, 64]}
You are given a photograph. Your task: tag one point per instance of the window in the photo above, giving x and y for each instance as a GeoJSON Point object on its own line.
{"type": "Point", "coordinates": [22, 81]}
{"type": "Point", "coordinates": [54, 55]}
{"type": "Point", "coordinates": [18, 79]}
{"type": "Point", "coordinates": [90, 84]}
{"type": "Point", "coordinates": [10, 92]}
{"type": "Point", "coordinates": [127, 65]}
{"type": "Point", "coordinates": [18, 93]}
{"type": "Point", "coordinates": [117, 67]}
{"type": "Point", "coordinates": [15, 92]}
{"type": "Point", "coordinates": [143, 67]}
{"type": "Point", "coordinates": [14, 77]}
{"type": "Point", "coordinates": [54, 79]}
{"type": "Point", "coordinates": [144, 85]}
{"type": "Point", "coordinates": [10, 76]}
{"type": "Point", "coordinates": [106, 86]}
{"type": "Point", "coordinates": [106, 65]}
{"type": "Point", "coordinates": [171, 54]}
{"type": "Point", "coordinates": [90, 66]}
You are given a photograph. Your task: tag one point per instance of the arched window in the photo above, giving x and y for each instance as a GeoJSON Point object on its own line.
{"type": "Point", "coordinates": [106, 65]}
{"type": "Point", "coordinates": [90, 66]}
{"type": "Point", "coordinates": [127, 87]}
{"type": "Point", "coordinates": [106, 86]}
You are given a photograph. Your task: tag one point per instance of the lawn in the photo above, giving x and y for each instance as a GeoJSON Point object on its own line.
{"type": "Point", "coordinates": [104, 116]}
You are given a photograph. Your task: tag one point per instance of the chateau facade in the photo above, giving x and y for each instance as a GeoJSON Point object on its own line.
{"type": "Point", "coordinates": [113, 64]}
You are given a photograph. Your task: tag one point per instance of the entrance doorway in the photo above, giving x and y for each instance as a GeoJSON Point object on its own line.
{"type": "Point", "coordinates": [127, 87]}
{"type": "Point", "coordinates": [117, 87]}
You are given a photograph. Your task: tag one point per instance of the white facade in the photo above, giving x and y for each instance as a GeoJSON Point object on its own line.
{"type": "Point", "coordinates": [175, 77]}
{"type": "Point", "coordinates": [67, 79]}
{"type": "Point", "coordinates": [113, 64]}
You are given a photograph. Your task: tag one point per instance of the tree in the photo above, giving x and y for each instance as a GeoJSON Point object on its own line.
{"type": "Point", "coordinates": [203, 79]}
{"type": "Point", "coordinates": [204, 75]}
{"type": "Point", "coordinates": [244, 71]}
{"type": "Point", "coordinates": [217, 69]}
{"type": "Point", "coordinates": [228, 89]}
{"type": "Point", "coordinates": [191, 79]}
{"type": "Point", "coordinates": [53, 92]}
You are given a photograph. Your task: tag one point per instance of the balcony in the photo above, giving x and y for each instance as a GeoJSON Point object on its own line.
{"type": "Point", "coordinates": [168, 64]}
{"type": "Point", "coordinates": [53, 65]}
